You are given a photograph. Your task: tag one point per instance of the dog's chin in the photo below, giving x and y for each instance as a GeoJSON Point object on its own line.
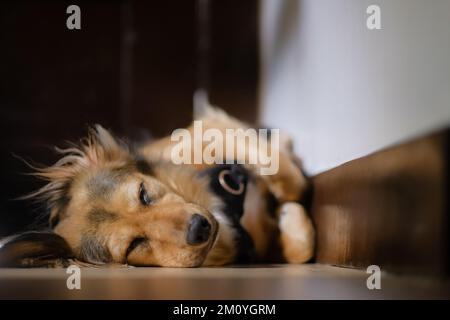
{"type": "Point", "coordinates": [223, 248]}
{"type": "Point", "coordinates": [185, 261]}
{"type": "Point", "coordinates": [205, 254]}
{"type": "Point", "coordinates": [191, 258]}
{"type": "Point", "coordinates": [198, 259]}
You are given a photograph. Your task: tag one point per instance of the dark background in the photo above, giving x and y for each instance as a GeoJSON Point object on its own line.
{"type": "Point", "coordinates": [133, 67]}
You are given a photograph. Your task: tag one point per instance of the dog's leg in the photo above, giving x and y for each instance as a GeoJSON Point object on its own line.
{"type": "Point", "coordinates": [296, 233]}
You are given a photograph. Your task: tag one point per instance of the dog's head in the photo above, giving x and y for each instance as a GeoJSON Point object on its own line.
{"type": "Point", "coordinates": [112, 206]}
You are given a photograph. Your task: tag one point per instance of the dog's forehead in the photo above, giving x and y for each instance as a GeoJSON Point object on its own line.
{"type": "Point", "coordinates": [102, 183]}
{"type": "Point", "coordinates": [105, 180]}
{"type": "Point", "coordinates": [106, 183]}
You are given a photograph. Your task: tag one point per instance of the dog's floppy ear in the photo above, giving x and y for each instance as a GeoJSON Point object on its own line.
{"type": "Point", "coordinates": [34, 249]}
{"type": "Point", "coordinates": [217, 117]}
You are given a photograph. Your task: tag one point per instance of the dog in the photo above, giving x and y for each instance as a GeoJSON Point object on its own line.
{"type": "Point", "coordinates": [111, 205]}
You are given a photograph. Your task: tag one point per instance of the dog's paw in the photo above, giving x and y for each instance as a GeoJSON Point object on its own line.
{"type": "Point", "coordinates": [289, 183]}
{"type": "Point", "coordinates": [296, 233]}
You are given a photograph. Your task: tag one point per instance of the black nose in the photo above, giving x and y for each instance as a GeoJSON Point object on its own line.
{"type": "Point", "coordinates": [199, 230]}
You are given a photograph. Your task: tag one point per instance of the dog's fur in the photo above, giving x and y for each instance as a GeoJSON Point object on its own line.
{"type": "Point", "coordinates": [97, 216]}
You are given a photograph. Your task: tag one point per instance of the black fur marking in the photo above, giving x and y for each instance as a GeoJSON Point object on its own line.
{"type": "Point", "coordinates": [234, 208]}
{"type": "Point", "coordinates": [144, 167]}
{"type": "Point", "coordinates": [63, 201]}
{"type": "Point", "coordinates": [271, 204]}
{"type": "Point", "coordinates": [54, 221]}
{"type": "Point", "coordinates": [92, 250]}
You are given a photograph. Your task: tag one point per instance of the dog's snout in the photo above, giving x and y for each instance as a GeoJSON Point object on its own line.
{"type": "Point", "coordinates": [199, 230]}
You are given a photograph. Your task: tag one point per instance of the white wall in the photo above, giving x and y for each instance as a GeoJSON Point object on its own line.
{"type": "Point", "coordinates": [344, 91]}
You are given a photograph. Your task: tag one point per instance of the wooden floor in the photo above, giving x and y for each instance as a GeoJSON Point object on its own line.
{"type": "Point", "coordinates": [310, 281]}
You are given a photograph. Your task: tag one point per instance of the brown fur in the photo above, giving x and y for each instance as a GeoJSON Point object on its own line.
{"type": "Point", "coordinates": [93, 191]}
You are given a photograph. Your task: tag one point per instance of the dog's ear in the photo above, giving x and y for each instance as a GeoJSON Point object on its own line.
{"type": "Point", "coordinates": [34, 249]}
{"type": "Point", "coordinates": [217, 117]}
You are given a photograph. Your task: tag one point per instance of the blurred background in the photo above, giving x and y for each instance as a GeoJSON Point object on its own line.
{"type": "Point", "coordinates": [133, 67]}
{"type": "Point", "coordinates": [309, 67]}
{"type": "Point", "coordinates": [345, 91]}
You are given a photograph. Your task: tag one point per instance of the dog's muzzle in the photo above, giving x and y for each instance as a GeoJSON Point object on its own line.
{"type": "Point", "coordinates": [199, 230]}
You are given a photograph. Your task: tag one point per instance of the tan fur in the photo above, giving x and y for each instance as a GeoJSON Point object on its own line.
{"type": "Point", "coordinates": [287, 185]}
{"type": "Point", "coordinates": [297, 233]}
{"type": "Point", "coordinates": [94, 191]}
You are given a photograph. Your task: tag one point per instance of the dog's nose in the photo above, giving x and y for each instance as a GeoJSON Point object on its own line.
{"type": "Point", "coordinates": [199, 230]}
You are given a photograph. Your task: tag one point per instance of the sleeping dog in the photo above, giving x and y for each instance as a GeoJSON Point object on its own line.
{"type": "Point", "coordinates": [112, 205]}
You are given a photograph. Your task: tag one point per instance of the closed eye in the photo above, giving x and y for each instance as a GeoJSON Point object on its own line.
{"type": "Point", "coordinates": [134, 244]}
{"type": "Point", "coordinates": [144, 198]}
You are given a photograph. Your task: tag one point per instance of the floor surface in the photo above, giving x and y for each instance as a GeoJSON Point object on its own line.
{"type": "Point", "coordinates": [309, 281]}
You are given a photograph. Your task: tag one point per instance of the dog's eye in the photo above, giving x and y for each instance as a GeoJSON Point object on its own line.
{"type": "Point", "coordinates": [143, 196]}
{"type": "Point", "coordinates": [230, 183]}
{"type": "Point", "coordinates": [134, 244]}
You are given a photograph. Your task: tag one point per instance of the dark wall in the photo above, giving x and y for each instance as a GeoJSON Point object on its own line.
{"type": "Point", "coordinates": [132, 68]}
